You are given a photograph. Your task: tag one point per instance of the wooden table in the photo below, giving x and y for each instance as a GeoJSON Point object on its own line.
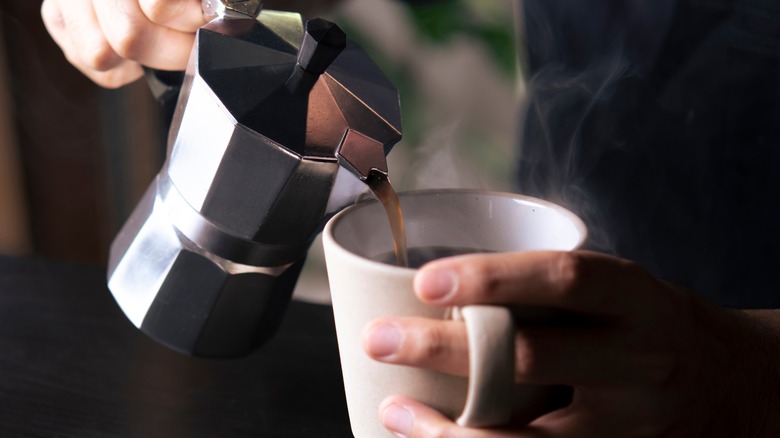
{"type": "Point", "coordinates": [71, 365]}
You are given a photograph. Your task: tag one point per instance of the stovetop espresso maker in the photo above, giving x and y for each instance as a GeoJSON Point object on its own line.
{"type": "Point", "coordinates": [278, 123]}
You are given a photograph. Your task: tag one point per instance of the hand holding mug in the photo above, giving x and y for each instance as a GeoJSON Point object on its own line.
{"type": "Point", "coordinates": [364, 288]}
{"type": "Point", "coordinates": [644, 357]}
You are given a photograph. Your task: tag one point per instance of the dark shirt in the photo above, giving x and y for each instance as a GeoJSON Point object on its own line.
{"type": "Point", "coordinates": [658, 121]}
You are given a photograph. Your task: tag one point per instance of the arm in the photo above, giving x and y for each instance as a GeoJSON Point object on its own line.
{"type": "Point", "coordinates": [645, 358]}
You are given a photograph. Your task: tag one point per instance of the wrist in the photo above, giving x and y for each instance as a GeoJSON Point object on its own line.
{"type": "Point", "coordinates": [762, 367]}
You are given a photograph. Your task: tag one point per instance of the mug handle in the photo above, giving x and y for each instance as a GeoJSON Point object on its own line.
{"type": "Point", "coordinates": [491, 337]}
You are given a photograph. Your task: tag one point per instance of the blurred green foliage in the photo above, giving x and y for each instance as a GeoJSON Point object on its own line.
{"type": "Point", "coordinates": [436, 23]}
{"type": "Point", "coordinates": [440, 20]}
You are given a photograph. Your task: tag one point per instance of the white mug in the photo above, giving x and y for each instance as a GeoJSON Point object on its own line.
{"type": "Point", "coordinates": [363, 289]}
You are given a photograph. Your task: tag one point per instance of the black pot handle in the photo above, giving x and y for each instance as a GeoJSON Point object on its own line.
{"type": "Point", "coordinates": [165, 87]}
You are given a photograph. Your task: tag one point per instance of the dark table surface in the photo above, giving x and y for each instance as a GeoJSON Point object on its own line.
{"type": "Point", "coordinates": [71, 365]}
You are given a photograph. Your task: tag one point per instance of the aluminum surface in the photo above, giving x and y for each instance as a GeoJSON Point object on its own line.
{"type": "Point", "coordinates": [278, 121]}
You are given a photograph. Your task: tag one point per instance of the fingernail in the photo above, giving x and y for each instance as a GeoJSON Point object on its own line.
{"type": "Point", "coordinates": [398, 420]}
{"type": "Point", "coordinates": [435, 285]}
{"type": "Point", "coordinates": [383, 340]}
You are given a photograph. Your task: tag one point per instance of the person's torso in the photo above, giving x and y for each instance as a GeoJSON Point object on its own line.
{"type": "Point", "coordinates": [659, 123]}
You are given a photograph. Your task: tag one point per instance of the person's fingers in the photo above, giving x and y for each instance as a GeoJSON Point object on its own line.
{"type": "Point", "coordinates": [84, 46]}
{"type": "Point", "coordinates": [569, 422]}
{"type": "Point", "coordinates": [588, 357]}
{"type": "Point", "coordinates": [75, 28]}
{"type": "Point", "coordinates": [433, 344]}
{"type": "Point", "coordinates": [606, 414]}
{"type": "Point", "coordinates": [574, 421]}
{"type": "Point", "coordinates": [134, 37]}
{"type": "Point", "coordinates": [543, 355]}
{"type": "Point", "coordinates": [577, 281]}
{"type": "Point", "coordinates": [409, 419]}
{"type": "Point", "coordinates": [181, 15]}
{"type": "Point", "coordinates": [123, 74]}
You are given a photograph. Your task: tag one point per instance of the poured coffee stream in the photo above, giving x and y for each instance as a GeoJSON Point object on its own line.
{"type": "Point", "coordinates": [384, 192]}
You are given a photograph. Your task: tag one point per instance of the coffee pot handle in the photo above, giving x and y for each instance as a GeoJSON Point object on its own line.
{"type": "Point", "coordinates": [165, 86]}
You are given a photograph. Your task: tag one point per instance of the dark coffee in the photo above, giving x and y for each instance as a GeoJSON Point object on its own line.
{"type": "Point", "coordinates": [383, 190]}
{"type": "Point", "coordinates": [422, 255]}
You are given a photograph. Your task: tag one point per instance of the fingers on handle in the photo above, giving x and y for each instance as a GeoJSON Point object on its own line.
{"type": "Point", "coordinates": [410, 419]}
{"type": "Point", "coordinates": [542, 355]}
{"type": "Point", "coordinates": [133, 36]}
{"type": "Point", "coordinates": [434, 344]}
{"type": "Point", "coordinates": [104, 41]}
{"type": "Point", "coordinates": [585, 357]}
{"type": "Point", "coordinates": [76, 30]}
{"type": "Point", "coordinates": [123, 74]}
{"type": "Point", "coordinates": [181, 15]}
{"type": "Point", "coordinates": [578, 281]}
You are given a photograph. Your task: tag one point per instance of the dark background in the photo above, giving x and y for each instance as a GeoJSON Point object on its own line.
{"type": "Point", "coordinates": [85, 153]}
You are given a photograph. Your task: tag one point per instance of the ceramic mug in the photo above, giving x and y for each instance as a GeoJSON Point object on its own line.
{"type": "Point", "coordinates": [363, 288]}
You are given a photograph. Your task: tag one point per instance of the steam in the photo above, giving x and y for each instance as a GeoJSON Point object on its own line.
{"type": "Point", "coordinates": [439, 164]}
{"type": "Point", "coordinates": [584, 57]}
{"type": "Point", "coordinates": [553, 164]}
